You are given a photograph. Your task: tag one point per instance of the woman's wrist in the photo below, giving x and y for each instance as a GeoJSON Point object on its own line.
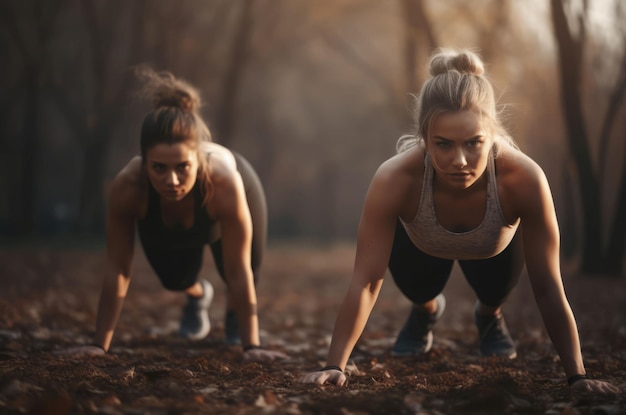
{"type": "Point", "coordinates": [573, 379]}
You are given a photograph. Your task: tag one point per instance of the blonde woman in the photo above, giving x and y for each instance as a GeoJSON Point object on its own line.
{"type": "Point", "coordinates": [458, 189]}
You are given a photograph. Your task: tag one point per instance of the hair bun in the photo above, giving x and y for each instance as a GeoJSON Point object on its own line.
{"type": "Point", "coordinates": [465, 62]}
{"type": "Point", "coordinates": [165, 90]}
{"type": "Point", "coordinates": [175, 98]}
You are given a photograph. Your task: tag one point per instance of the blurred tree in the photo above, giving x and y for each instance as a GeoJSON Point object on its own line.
{"type": "Point", "coordinates": [29, 25]}
{"type": "Point", "coordinates": [186, 38]}
{"type": "Point", "coordinates": [237, 64]}
{"type": "Point", "coordinates": [597, 257]}
{"type": "Point", "coordinates": [93, 113]}
{"type": "Point", "coordinates": [419, 37]}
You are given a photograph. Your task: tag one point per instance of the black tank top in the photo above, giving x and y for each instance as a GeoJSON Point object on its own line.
{"type": "Point", "coordinates": [155, 235]}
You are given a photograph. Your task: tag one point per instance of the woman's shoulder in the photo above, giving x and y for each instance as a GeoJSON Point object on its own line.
{"type": "Point", "coordinates": [398, 181]}
{"type": "Point", "coordinates": [516, 167]}
{"type": "Point", "coordinates": [521, 181]}
{"type": "Point", "coordinates": [222, 163]}
{"type": "Point", "coordinates": [128, 190]}
{"type": "Point", "coordinates": [406, 162]}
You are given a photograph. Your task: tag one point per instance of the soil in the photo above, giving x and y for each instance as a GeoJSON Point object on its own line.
{"type": "Point", "coordinates": [48, 299]}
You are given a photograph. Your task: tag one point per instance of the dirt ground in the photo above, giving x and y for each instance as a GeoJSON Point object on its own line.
{"type": "Point", "coordinates": [48, 300]}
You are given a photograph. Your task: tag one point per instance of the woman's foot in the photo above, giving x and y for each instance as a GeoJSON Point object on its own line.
{"type": "Point", "coordinates": [495, 339]}
{"type": "Point", "coordinates": [416, 337]}
{"type": "Point", "coordinates": [195, 323]}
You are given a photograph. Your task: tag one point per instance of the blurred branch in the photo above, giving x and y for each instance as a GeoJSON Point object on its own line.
{"type": "Point", "coordinates": [349, 53]}
{"type": "Point", "coordinates": [416, 23]}
{"type": "Point", "coordinates": [617, 238]}
{"type": "Point", "coordinates": [9, 20]}
{"type": "Point", "coordinates": [304, 31]}
{"type": "Point", "coordinates": [98, 49]}
{"type": "Point", "coordinates": [488, 34]}
{"type": "Point", "coordinates": [71, 112]}
{"type": "Point", "coordinates": [615, 100]}
{"type": "Point", "coordinates": [570, 48]}
{"type": "Point", "coordinates": [237, 63]}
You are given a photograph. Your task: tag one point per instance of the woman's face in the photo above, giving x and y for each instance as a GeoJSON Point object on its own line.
{"type": "Point", "coordinates": [172, 169]}
{"type": "Point", "coordinates": [459, 148]}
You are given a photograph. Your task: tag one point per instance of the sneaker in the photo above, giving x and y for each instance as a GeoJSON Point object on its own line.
{"type": "Point", "coordinates": [231, 328]}
{"type": "Point", "coordinates": [416, 337]}
{"type": "Point", "coordinates": [495, 339]}
{"type": "Point", "coordinates": [195, 323]}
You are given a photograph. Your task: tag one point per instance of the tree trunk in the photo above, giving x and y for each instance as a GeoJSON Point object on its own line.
{"type": "Point", "coordinates": [227, 112]}
{"type": "Point", "coordinates": [91, 206]}
{"type": "Point", "coordinates": [30, 159]}
{"type": "Point", "coordinates": [617, 240]}
{"type": "Point", "coordinates": [417, 26]}
{"type": "Point", "coordinates": [570, 52]}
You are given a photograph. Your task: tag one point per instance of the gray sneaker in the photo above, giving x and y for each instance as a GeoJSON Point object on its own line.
{"type": "Point", "coordinates": [195, 323]}
{"type": "Point", "coordinates": [416, 337]}
{"type": "Point", "coordinates": [495, 339]}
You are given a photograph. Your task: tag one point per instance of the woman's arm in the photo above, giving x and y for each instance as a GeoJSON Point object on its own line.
{"type": "Point", "coordinates": [120, 233]}
{"type": "Point", "coordinates": [541, 246]}
{"type": "Point", "coordinates": [230, 208]}
{"type": "Point", "coordinates": [375, 238]}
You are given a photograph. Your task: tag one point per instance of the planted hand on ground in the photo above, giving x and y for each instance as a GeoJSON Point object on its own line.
{"type": "Point", "coordinates": [593, 386]}
{"type": "Point", "coordinates": [263, 355]}
{"type": "Point", "coordinates": [320, 377]}
{"type": "Point", "coordinates": [82, 351]}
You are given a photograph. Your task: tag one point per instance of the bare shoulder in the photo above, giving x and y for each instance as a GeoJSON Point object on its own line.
{"type": "Point", "coordinates": [129, 188]}
{"type": "Point", "coordinates": [228, 192]}
{"type": "Point", "coordinates": [404, 167]}
{"type": "Point", "coordinates": [223, 165]}
{"type": "Point", "coordinates": [521, 181]}
{"type": "Point", "coordinates": [397, 183]}
{"type": "Point", "coordinates": [517, 170]}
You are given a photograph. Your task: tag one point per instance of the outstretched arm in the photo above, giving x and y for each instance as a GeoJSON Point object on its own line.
{"type": "Point", "coordinates": [231, 209]}
{"type": "Point", "coordinates": [375, 238]}
{"type": "Point", "coordinates": [120, 233]}
{"type": "Point", "coordinates": [541, 245]}
{"type": "Point", "coordinates": [120, 244]}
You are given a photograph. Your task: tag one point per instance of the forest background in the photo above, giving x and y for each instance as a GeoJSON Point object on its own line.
{"type": "Point", "coordinates": [315, 94]}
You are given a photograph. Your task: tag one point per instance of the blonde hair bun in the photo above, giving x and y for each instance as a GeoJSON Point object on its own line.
{"type": "Point", "coordinates": [465, 62]}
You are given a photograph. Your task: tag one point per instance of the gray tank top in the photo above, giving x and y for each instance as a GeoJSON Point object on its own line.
{"type": "Point", "coordinates": [485, 241]}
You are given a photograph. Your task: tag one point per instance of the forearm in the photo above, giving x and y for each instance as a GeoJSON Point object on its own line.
{"type": "Point", "coordinates": [114, 291]}
{"type": "Point", "coordinates": [561, 327]}
{"type": "Point", "coordinates": [243, 298]}
{"type": "Point", "coordinates": [351, 320]}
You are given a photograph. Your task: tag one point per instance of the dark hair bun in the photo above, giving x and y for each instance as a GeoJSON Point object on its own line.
{"type": "Point", "coordinates": [165, 90]}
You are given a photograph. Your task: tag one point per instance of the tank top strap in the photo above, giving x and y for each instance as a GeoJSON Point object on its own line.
{"type": "Point", "coordinates": [426, 196]}
{"type": "Point", "coordinates": [492, 187]}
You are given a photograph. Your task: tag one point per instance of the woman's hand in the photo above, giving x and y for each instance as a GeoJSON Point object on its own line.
{"type": "Point", "coordinates": [258, 354]}
{"type": "Point", "coordinates": [593, 386]}
{"type": "Point", "coordinates": [83, 351]}
{"type": "Point", "coordinates": [336, 377]}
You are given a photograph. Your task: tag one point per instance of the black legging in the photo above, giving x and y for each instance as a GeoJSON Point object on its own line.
{"type": "Point", "coordinates": [421, 277]}
{"type": "Point", "coordinates": [178, 267]}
